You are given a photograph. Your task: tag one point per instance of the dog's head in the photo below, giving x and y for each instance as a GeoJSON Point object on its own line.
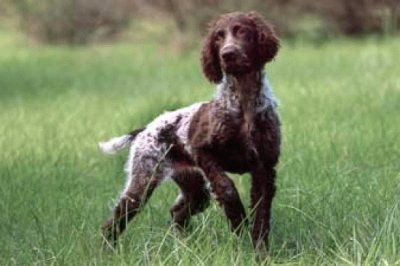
{"type": "Point", "coordinates": [238, 43]}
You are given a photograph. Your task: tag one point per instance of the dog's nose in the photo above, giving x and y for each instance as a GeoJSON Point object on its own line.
{"type": "Point", "coordinates": [229, 53]}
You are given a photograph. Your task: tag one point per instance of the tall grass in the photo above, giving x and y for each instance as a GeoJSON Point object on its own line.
{"type": "Point", "coordinates": [338, 177]}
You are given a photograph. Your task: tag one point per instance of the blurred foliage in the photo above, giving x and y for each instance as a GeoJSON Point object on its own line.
{"type": "Point", "coordinates": [82, 21]}
{"type": "Point", "coordinates": [72, 21]}
{"type": "Point", "coordinates": [362, 16]}
{"type": "Point", "coordinates": [318, 18]}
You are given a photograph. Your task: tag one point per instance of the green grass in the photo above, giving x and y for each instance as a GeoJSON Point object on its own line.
{"type": "Point", "coordinates": [339, 175]}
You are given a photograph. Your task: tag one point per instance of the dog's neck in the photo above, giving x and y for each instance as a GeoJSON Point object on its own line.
{"type": "Point", "coordinates": [249, 94]}
{"type": "Point", "coordinates": [246, 88]}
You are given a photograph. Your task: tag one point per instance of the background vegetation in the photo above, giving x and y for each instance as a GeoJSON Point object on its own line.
{"type": "Point", "coordinates": [338, 177]}
{"type": "Point", "coordinates": [82, 21]}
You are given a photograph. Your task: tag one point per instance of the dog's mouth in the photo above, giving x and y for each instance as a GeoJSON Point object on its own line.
{"type": "Point", "coordinates": [237, 65]}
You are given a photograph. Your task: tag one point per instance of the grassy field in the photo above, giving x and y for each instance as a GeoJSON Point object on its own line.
{"type": "Point", "coordinates": [339, 175]}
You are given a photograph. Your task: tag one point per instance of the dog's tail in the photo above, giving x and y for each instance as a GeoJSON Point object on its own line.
{"type": "Point", "coordinates": [116, 144]}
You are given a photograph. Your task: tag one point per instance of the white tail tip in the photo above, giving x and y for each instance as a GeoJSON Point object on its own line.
{"type": "Point", "coordinates": [113, 145]}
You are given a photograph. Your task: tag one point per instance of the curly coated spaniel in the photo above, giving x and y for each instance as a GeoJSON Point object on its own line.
{"type": "Point", "coordinates": [238, 131]}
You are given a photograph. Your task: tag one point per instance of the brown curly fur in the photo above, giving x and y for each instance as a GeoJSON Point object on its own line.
{"type": "Point", "coordinates": [248, 143]}
{"type": "Point", "coordinates": [265, 40]}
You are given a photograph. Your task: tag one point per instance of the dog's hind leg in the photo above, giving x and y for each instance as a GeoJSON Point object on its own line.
{"type": "Point", "coordinates": [132, 199]}
{"type": "Point", "coordinates": [194, 197]}
{"type": "Point", "coordinates": [146, 169]}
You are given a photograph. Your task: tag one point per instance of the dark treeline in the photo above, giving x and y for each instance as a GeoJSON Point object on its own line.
{"type": "Point", "coordinates": [80, 21]}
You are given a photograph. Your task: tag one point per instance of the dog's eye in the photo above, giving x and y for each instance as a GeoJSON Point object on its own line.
{"type": "Point", "coordinates": [242, 32]}
{"type": "Point", "coordinates": [220, 35]}
{"type": "Point", "coordinates": [236, 29]}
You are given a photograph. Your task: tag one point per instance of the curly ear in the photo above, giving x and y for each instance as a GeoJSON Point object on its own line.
{"type": "Point", "coordinates": [267, 41]}
{"type": "Point", "coordinates": [210, 60]}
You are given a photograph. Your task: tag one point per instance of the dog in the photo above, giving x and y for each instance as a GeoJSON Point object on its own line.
{"type": "Point", "coordinates": [238, 131]}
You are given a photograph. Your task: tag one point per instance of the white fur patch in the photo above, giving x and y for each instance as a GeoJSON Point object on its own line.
{"type": "Point", "coordinates": [146, 151]}
{"type": "Point", "coordinates": [266, 99]}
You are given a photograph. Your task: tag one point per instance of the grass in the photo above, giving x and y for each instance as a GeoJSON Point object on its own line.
{"type": "Point", "coordinates": [339, 175]}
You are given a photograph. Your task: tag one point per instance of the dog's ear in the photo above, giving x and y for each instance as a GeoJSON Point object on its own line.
{"type": "Point", "coordinates": [209, 57]}
{"type": "Point", "coordinates": [266, 40]}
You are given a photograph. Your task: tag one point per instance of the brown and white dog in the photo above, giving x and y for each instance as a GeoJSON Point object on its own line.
{"type": "Point", "coordinates": [237, 131]}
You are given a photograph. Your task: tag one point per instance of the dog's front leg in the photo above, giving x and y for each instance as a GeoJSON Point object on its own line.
{"type": "Point", "coordinates": [262, 192]}
{"type": "Point", "coordinates": [194, 197]}
{"type": "Point", "coordinates": [224, 189]}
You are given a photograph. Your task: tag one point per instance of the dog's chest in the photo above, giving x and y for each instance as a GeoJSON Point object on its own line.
{"type": "Point", "coordinates": [223, 134]}
{"type": "Point", "coordinates": [214, 126]}
{"type": "Point", "coordinates": [233, 155]}
{"type": "Point", "coordinates": [235, 149]}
